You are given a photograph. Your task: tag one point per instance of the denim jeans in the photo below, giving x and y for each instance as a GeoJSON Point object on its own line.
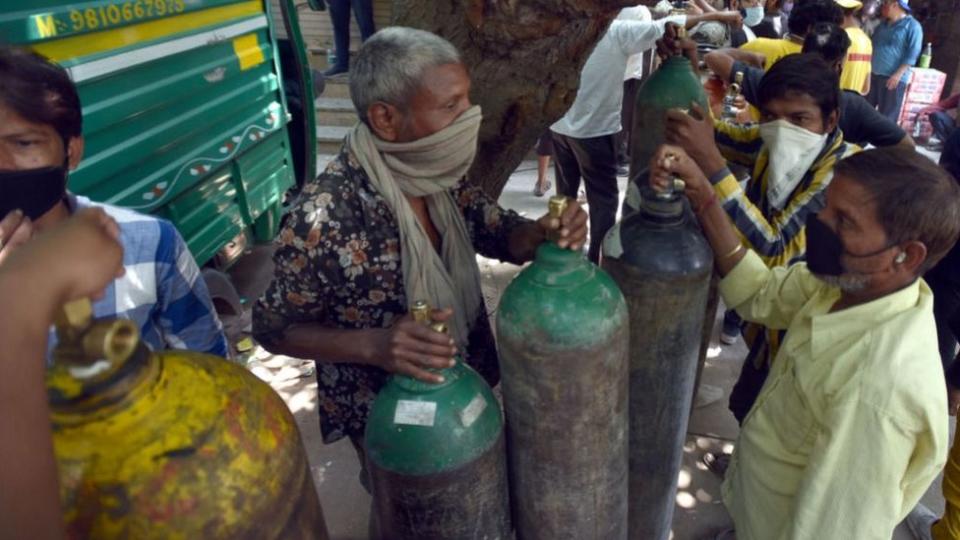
{"type": "Point", "coordinates": [888, 102]}
{"type": "Point", "coordinates": [340, 16]}
{"type": "Point", "coordinates": [943, 125]}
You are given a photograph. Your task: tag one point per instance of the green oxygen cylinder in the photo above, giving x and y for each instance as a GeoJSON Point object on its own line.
{"type": "Point", "coordinates": [436, 455]}
{"type": "Point", "coordinates": [674, 86]}
{"type": "Point", "coordinates": [563, 337]}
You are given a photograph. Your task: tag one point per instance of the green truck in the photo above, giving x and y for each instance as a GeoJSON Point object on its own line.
{"type": "Point", "coordinates": [193, 110]}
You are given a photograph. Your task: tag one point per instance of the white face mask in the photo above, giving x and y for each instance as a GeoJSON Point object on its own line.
{"type": "Point", "coordinates": [792, 150]}
{"type": "Point", "coordinates": [753, 15]}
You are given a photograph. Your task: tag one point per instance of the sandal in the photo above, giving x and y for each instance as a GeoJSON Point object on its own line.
{"type": "Point", "coordinates": [541, 192]}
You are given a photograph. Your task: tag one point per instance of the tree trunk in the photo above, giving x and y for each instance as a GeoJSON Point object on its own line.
{"type": "Point", "coordinates": [524, 57]}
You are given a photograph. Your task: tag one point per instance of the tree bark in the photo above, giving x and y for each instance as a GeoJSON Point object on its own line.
{"type": "Point", "coordinates": [525, 58]}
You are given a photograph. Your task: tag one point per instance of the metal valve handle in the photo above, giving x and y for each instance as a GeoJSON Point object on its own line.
{"type": "Point", "coordinates": [84, 340]}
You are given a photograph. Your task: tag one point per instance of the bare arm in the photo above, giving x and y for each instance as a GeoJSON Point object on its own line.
{"type": "Point", "coordinates": [671, 161]}
{"type": "Point", "coordinates": [747, 57]}
{"type": "Point", "coordinates": [729, 17]}
{"type": "Point", "coordinates": [29, 493]}
{"type": "Point", "coordinates": [503, 235]}
{"type": "Point", "coordinates": [705, 6]}
{"type": "Point", "coordinates": [572, 225]}
{"type": "Point", "coordinates": [951, 102]}
{"type": "Point", "coordinates": [524, 241]}
{"type": "Point", "coordinates": [671, 45]}
{"type": "Point", "coordinates": [407, 347]}
{"type": "Point", "coordinates": [76, 259]}
{"type": "Point", "coordinates": [894, 79]}
{"type": "Point", "coordinates": [720, 63]}
{"type": "Point", "coordinates": [943, 105]}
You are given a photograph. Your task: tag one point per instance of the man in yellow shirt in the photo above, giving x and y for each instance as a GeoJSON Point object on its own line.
{"type": "Point", "coordinates": [856, 70]}
{"type": "Point", "coordinates": [851, 426]}
{"type": "Point", "coordinates": [767, 51]}
{"type": "Point", "coordinates": [764, 52]}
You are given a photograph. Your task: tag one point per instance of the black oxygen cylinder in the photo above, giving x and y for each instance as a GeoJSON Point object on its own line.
{"type": "Point", "coordinates": [662, 264]}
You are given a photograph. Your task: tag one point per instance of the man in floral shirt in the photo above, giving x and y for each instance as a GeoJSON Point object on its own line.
{"type": "Point", "coordinates": [391, 222]}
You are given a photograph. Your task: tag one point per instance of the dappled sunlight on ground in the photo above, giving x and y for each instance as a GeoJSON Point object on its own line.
{"type": "Point", "coordinates": [685, 499]}
{"type": "Point", "coordinates": [292, 378]}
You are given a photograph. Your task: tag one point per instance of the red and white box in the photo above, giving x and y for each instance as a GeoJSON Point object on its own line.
{"type": "Point", "coordinates": [925, 86]}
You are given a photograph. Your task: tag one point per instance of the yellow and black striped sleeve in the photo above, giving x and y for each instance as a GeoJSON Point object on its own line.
{"type": "Point", "coordinates": [738, 143]}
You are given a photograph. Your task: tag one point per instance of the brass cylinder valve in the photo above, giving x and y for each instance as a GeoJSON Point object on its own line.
{"type": "Point", "coordinates": [83, 341]}
{"type": "Point", "coordinates": [556, 207]}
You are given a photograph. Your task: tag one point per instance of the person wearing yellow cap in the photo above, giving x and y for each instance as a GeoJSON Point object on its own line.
{"type": "Point", "coordinates": [856, 70]}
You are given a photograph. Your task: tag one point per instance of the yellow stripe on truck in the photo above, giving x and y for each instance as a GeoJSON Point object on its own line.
{"type": "Point", "coordinates": [108, 40]}
{"type": "Point", "coordinates": [248, 51]}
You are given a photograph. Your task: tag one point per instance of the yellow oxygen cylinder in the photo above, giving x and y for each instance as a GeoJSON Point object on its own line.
{"type": "Point", "coordinates": [171, 445]}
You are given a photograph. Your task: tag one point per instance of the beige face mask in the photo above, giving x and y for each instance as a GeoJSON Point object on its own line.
{"type": "Point", "coordinates": [436, 162]}
{"type": "Point", "coordinates": [430, 167]}
{"type": "Point", "coordinates": [792, 151]}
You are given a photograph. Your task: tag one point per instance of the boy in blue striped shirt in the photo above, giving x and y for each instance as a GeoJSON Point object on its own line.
{"type": "Point", "coordinates": [40, 141]}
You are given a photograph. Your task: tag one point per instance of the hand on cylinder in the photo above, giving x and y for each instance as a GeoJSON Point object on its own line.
{"type": "Point", "coordinates": [572, 226]}
{"type": "Point", "coordinates": [671, 163]}
{"type": "Point", "coordinates": [672, 44]}
{"type": "Point", "coordinates": [740, 102]}
{"type": "Point", "coordinates": [15, 230]}
{"type": "Point", "coordinates": [411, 348]}
{"type": "Point", "coordinates": [693, 132]}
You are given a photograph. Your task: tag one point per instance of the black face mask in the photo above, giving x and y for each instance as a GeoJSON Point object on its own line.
{"type": "Point", "coordinates": [825, 249]}
{"type": "Point", "coordinates": [34, 191]}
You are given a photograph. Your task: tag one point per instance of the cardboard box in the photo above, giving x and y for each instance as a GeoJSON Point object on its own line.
{"type": "Point", "coordinates": [925, 86]}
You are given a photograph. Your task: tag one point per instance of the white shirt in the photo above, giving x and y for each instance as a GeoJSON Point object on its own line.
{"type": "Point", "coordinates": [636, 66]}
{"type": "Point", "coordinates": [596, 110]}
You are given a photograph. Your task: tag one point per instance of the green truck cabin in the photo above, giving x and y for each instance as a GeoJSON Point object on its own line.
{"type": "Point", "coordinates": [184, 110]}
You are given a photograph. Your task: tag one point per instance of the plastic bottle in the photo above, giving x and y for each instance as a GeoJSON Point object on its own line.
{"type": "Point", "coordinates": [926, 57]}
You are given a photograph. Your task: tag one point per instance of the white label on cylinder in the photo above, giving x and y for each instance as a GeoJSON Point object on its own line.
{"type": "Point", "coordinates": [473, 410]}
{"type": "Point", "coordinates": [632, 198]}
{"type": "Point", "coordinates": [415, 413]}
{"type": "Point", "coordinates": [612, 245]}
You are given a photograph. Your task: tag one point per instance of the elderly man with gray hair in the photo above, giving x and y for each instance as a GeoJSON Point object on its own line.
{"type": "Point", "coordinates": [392, 221]}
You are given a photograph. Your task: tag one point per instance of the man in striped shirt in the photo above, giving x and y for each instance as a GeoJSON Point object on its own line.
{"type": "Point", "coordinates": [792, 153]}
{"type": "Point", "coordinates": [40, 141]}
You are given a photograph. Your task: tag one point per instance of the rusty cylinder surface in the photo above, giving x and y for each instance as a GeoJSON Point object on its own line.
{"type": "Point", "coordinates": [467, 503]}
{"type": "Point", "coordinates": [563, 339]}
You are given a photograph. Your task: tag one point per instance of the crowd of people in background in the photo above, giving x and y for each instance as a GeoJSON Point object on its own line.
{"type": "Point", "coordinates": [820, 81]}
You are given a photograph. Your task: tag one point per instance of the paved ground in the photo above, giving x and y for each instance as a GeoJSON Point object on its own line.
{"type": "Point", "coordinates": [699, 512]}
